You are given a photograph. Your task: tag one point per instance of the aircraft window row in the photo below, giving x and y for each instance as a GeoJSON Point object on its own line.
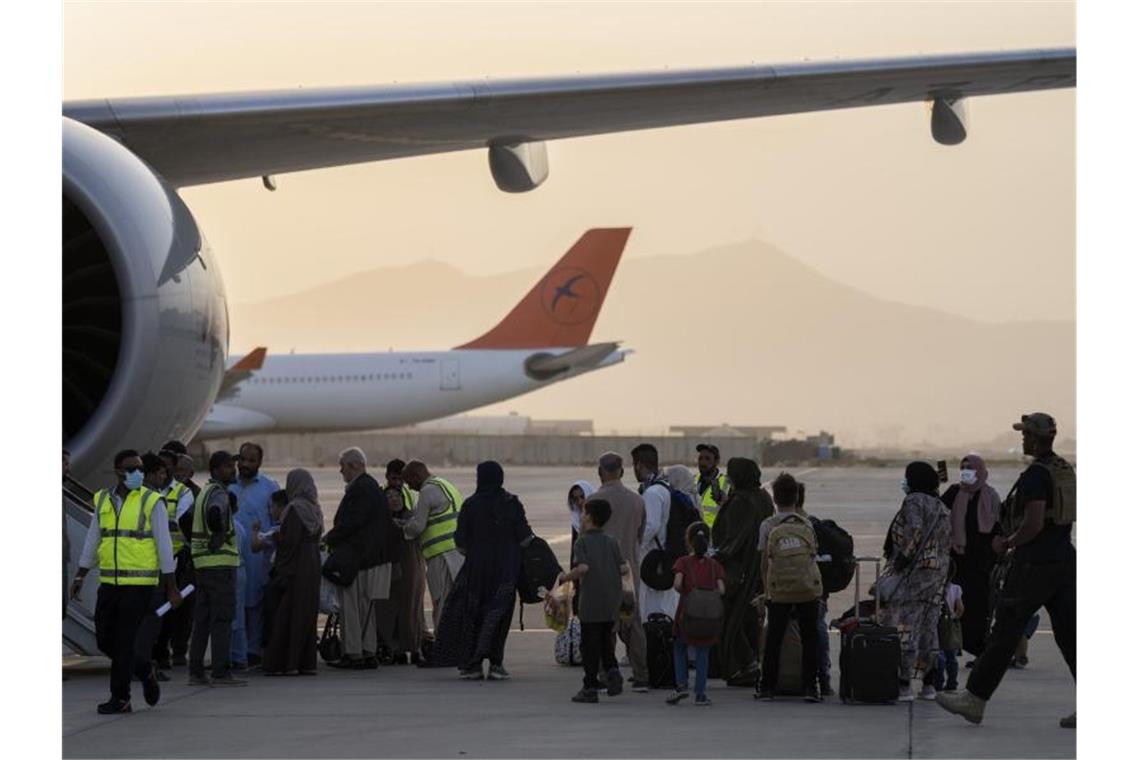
{"type": "Point", "coordinates": [335, 378]}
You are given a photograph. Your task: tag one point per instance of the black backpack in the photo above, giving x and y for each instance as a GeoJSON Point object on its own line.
{"type": "Point", "coordinates": [836, 544]}
{"type": "Point", "coordinates": [540, 569]}
{"type": "Point", "coordinates": [682, 514]}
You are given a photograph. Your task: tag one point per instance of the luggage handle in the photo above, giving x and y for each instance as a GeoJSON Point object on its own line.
{"type": "Point", "coordinates": [858, 560]}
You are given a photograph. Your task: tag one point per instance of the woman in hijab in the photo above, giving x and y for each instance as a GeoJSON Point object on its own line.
{"type": "Point", "coordinates": [476, 617]}
{"type": "Point", "coordinates": [681, 479]}
{"type": "Point", "coordinates": [579, 493]}
{"type": "Point", "coordinates": [295, 581]}
{"type": "Point", "coordinates": [974, 511]}
{"type": "Point", "coordinates": [735, 534]}
{"type": "Point", "coordinates": [917, 550]}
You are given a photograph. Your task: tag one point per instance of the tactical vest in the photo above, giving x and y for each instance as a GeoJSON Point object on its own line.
{"type": "Point", "coordinates": [173, 496]}
{"type": "Point", "coordinates": [225, 555]}
{"type": "Point", "coordinates": [128, 555]}
{"type": "Point", "coordinates": [793, 574]}
{"type": "Point", "coordinates": [439, 535]}
{"type": "Point", "coordinates": [708, 504]}
{"type": "Point", "coordinates": [1060, 510]}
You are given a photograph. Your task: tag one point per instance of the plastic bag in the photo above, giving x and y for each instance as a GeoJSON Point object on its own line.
{"type": "Point", "coordinates": [329, 602]}
{"type": "Point", "coordinates": [556, 607]}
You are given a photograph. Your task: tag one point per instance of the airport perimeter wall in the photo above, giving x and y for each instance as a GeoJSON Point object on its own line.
{"type": "Point", "coordinates": [443, 449]}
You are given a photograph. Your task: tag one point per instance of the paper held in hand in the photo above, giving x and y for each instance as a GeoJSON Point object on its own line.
{"type": "Point", "coordinates": [185, 592]}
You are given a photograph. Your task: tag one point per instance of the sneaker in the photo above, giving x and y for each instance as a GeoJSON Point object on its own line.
{"type": "Point", "coordinates": [676, 696]}
{"type": "Point", "coordinates": [641, 687]}
{"type": "Point", "coordinates": [498, 673]}
{"type": "Point", "coordinates": [764, 695]}
{"type": "Point", "coordinates": [151, 690]}
{"type": "Point", "coordinates": [811, 694]}
{"type": "Point", "coordinates": [928, 692]}
{"type": "Point", "coordinates": [702, 700]}
{"type": "Point", "coordinates": [228, 680]}
{"type": "Point", "coordinates": [587, 696]}
{"type": "Point", "coordinates": [114, 707]}
{"type": "Point", "coordinates": [472, 674]}
{"type": "Point", "coordinates": [962, 703]}
{"type": "Point", "coordinates": [1069, 721]}
{"type": "Point", "coordinates": [201, 680]}
{"type": "Point", "coordinates": [906, 694]}
{"type": "Point", "coordinates": [613, 683]}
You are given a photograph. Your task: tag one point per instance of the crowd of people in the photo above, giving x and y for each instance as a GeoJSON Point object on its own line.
{"type": "Point", "coordinates": [730, 564]}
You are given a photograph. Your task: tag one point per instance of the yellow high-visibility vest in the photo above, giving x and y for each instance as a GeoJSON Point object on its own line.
{"type": "Point", "coordinates": [439, 535]}
{"type": "Point", "coordinates": [128, 555]}
{"type": "Point", "coordinates": [709, 506]}
{"type": "Point", "coordinates": [408, 497]}
{"type": "Point", "coordinates": [173, 496]}
{"type": "Point", "coordinates": [204, 558]}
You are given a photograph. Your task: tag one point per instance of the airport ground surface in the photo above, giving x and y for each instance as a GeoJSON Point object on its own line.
{"type": "Point", "coordinates": [410, 712]}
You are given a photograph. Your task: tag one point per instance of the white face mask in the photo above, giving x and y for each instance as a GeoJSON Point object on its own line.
{"type": "Point", "coordinates": [969, 477]}
{"type": "Point", "coordinates": [904, 486]}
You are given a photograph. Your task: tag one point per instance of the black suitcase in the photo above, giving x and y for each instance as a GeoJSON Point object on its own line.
{"type": "Point", "coordinates": [659, 650]}
{"type": "Point", "coordinates": [869, 655]}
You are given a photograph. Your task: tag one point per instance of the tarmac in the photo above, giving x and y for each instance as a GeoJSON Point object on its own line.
{"type": "Point", "coordinates": [403, 711]}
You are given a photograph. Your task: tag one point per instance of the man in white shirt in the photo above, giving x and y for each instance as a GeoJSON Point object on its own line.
{"type": "Point", "coordinates": [657, 496]}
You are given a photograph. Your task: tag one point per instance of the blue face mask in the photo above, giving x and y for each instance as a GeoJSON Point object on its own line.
{"type": "Point", "coordinates": [904, 486]}
{"type": "Point", "coordinates": [134, 480]}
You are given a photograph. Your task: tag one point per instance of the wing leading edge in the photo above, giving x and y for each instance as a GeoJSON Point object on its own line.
{"type": "Point", "coordinates": [198, 139]}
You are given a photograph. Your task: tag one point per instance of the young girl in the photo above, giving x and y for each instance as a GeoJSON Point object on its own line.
{"type": "Point", "coordinates": [693, 571]}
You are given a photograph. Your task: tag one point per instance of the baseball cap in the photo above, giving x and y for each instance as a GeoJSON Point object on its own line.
{"type": "Point", "coordinates": [709, 447]}
{"type": "Point", "coordinates": [1037, 423]}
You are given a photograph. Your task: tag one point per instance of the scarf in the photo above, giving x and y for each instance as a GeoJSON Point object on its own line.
{"type": "Point", "coordinates": [576, 513]}
{"type": "Point", "coordinates": [302, 493]}
{"type": "Point", "coordinates": [488, 477]}
{"type": "Point", "coordinates": [681, 479]}
{"type": "Point", "coordinates": [989, 504]}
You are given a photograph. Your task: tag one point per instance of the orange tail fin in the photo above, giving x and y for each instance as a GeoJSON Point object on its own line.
{"type": "Point", "coordinates": [561, 309]}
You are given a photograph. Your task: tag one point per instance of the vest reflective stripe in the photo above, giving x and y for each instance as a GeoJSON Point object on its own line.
{"type": "Point", "coordinates": [409, 499]}
{"type": "Point", "coordinates": [173, 496]}
{"type": "Point", "coordinates": [709, 506]}
{"type": "Point", "coordinates": [224, 556]}
{"type": "Point", "coordinates": [128, 555]}
{"type": "Point", "coordinates": [439, 534]}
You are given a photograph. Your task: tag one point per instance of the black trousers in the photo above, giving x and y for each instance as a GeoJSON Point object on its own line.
{"type": "Point", "coordinates": [119, 611]}
{"type": "Point", "coordinates": [174, 634]}
{"type": "Point", "coordinates": [213, 620]}
{"type": "Point", "coordinates": [597, 648]}
{"type": "Point", "coordinates": [1028, 587]}
{"type": "Point", "coordinates": [807, 614]}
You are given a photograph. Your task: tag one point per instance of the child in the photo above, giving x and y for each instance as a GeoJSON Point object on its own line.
{"type": "Point", "coordinates": [598, 568]}
{"type": "Point", "coordinates": [693, 571]}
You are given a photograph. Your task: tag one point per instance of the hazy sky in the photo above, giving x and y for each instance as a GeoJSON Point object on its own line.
{"type": "Point", "coordinates": [985, 229]}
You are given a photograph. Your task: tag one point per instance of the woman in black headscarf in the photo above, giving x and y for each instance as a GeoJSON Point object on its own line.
{"type": "Point", "coordinates": [735, 534]}
{"type": "Point", "coordinates": [476, 617]}
{"type": "Point", "coordinates": [917, 550]}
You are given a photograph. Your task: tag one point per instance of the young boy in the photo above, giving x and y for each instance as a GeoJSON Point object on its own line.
{"type": "Point", "coordinates": [943, 675]}
{"type": "Point", "coordinates": [599, 569]}
{"type": "Point", "coordinates": [792, 584]}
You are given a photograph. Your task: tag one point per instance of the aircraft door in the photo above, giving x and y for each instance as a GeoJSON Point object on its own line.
{"type": "Point", "coordinates": [449, 375]}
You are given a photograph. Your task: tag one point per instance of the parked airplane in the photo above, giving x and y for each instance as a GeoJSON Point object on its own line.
{"type": "Point", "coordinates": [145, 322]}
{"type": "Point", "coordinates": [543, 340]}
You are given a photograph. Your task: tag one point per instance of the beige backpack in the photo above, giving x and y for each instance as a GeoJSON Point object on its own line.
{"type": "Point", "coordinates": [793, 574]}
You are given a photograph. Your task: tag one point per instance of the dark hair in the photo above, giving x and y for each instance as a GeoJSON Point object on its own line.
{"type": "Point", "coordinates": [646, 454]}
{"type": "Point", "coordinates": [395, 467]}
{"type": "Point", "coordinates": [785, 490]}
{"type": "Point", "coordinates": [176, 447]}
{"type": "Point", "coordinates": [280, 497]}
{"type": "Point", "coordinates": [218, 458]}
{"type": "Point", "coordinates": [599, 511]}
{"type": "Point", "coordinates": [570, 493]}
{"type": "Point", "coordinates": [124, 454]}
{"type": "Point", "coordinates": [153, 463]}
{"type": "Point", "coordinates": [697, 534]}
{"type": "Point", "coordinates": [252, 445]}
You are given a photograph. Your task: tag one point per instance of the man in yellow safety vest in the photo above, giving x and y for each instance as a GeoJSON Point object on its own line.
{"type": "Point", "coordinates": [712, 485]}
{"type": "Point", "coordinates": [433, 522]}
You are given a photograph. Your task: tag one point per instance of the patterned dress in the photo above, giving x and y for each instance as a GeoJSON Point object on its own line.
{"type": "Point", "coordinates": [915, 606]}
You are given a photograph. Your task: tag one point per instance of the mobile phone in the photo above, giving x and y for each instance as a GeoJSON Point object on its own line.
{"type": "Point", "coordinates": [943, 475]}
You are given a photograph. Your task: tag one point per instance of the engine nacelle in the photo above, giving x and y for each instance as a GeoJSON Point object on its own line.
{"type": "Point", "coordinates": [145, 322]}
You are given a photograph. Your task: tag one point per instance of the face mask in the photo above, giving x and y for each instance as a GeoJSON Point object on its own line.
{"type": "Point", "coordinates": [904, 486]}
{"type": "Point", "coordinates": [969, 477]}
{"type": "Point", "coordinates": [134, 480]}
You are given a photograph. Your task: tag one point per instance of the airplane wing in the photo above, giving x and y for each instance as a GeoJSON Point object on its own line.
{"type": "Point", "coordinates": [241, 371]}
{"type": "Point", "coordinates": [197, 139]}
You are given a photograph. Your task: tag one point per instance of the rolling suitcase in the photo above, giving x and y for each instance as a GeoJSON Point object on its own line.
{"type": "Point", "coordinates": [659, 650]}
{"type": "Point", "coordinates": [869, 654]}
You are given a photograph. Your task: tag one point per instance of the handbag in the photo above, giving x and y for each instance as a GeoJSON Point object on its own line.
{"type": "Point", "coordinates": [657, 569]}
{"type": "Point", "coordinates": [888, 585]}
{"type": "Point", "coordinates": [330, 647]}
{"type": "Point", "coordinates": [342, 566]}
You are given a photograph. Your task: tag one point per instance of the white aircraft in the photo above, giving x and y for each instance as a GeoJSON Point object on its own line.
{"type": "Point", "coordinates": [543, 340]}
{"type": "Point", "coordinates": [145, 322]}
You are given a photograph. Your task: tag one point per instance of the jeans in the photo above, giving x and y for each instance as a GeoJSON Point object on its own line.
{"type": "Point", "coordinates": [597, 648]}
{"type": "Point", "coordinates": [944, 674]}
{"type": "Point", "coordinates": [119, 611]}
{"type": "Point", "coordinates": [1027, 588]}
{"type": "Point", "coordinates": [214, 614]}
{"type": "Point", "coordinates": [681, 665]}
{"type": "Point", "coordinates": [239, 644]}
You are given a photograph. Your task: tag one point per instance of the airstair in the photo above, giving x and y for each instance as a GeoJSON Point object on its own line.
{"type": "Point", "coordinates": [79, 625]}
